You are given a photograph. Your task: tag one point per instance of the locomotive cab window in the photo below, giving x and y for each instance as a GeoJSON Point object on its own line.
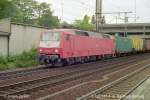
{"type": "Point", "coordinates": [51, 36]}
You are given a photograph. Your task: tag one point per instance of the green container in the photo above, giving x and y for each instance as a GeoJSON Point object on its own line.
{"type": "Point", "coordinates": [123, 45]}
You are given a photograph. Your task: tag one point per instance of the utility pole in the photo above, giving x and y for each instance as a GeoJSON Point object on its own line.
{"type": "Point", "coordinates": [98, 14]}
{"type": "Point", "coordinates": [116, 19]}
{"type": "Point", "coordinates": [125, 17]}
{"type": "Point", "coordinates": [135, 10]}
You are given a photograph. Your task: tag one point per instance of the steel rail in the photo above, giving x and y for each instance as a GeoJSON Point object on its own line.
{"type": "Point", "coordinates": [34, 84]}
{"type": "Point", "coordinates": [93, 95]}
{"type": "Point", "coordinates": [42, 69]}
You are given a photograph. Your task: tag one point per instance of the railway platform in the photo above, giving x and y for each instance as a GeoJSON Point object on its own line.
{"type": "Point", "coordinates": [140, 93]}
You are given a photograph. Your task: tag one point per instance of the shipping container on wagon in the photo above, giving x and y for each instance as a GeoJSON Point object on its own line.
{"type": "Point", "coordinates": [123, 45]}
{"type": "Point", "coordinates": [137, 44]}
{"type": "Point", "coordinates": [147, 44]}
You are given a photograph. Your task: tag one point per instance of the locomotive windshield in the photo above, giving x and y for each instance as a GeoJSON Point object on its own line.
{"type": "Point", "coordinates": [53, 36]}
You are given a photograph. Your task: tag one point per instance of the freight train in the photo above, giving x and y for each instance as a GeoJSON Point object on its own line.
{"type": "Point", "coordinates": [59, 47]}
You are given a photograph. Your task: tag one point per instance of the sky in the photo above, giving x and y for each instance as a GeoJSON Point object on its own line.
{"type": "Point", "coordinates": [70, 10]}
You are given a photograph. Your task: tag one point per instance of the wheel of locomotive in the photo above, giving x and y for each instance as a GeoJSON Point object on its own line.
{"type": "Point", "coordinates": [78, 60]}
{"type": "Point", "coordinates": [86, 60]}
{"type": "Point", "coordinates": [60, 63]}
{"type": "Point", "coordinates": [104, 58]}
{"type": "Point", "coordinates": [47, 63]}
{"type": "Point", "coordinates": [64, 62]}
{"type": "Point", "coordinates": [82, 60]}
{"type": "Point", "coordinates": [93, 58]}
{"type": "Point", "coordinates": [70, 61]}
{"type": "Point", "coordinates": [99, 57]}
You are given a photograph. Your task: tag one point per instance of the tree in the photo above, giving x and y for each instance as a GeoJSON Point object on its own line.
{"type": "Point", "coordinates": [84, 24]}
{"type": "Point", "coordinates": [28, 12]}
{"type": "Point", "coordinates": [64, 24]}
{"type": "Point", "coordinates": [48, 20]}
{"type": "Point", "coordinates": [7, 9]}
{"type": "Point", "coordinates": [41, 9]}
{"type": "Point", "coordinates": [45, 16]}
{"type": "Point", "coordinates": [78, 23]}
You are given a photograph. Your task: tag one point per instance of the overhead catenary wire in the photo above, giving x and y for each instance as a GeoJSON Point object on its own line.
{"type": "Point", "coordinates": [145, 2]}
{"type": "Point", "coordinates": [89, 8]}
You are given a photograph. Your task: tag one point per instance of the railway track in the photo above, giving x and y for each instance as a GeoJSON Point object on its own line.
{"type": "Point", "coordinates": [120, 88]}
{"type": "Point", "coordinates": [20, 73]}
{"type": "Point", "coordinates": [34, 71]}
{"type": "Point", "coordinates": [37, 84]}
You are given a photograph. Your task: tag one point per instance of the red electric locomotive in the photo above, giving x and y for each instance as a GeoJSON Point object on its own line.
{"type": "Point", "coordinates": [68, 46]}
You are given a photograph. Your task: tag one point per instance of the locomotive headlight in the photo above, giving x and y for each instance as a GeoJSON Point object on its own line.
{"type": "Point", "coordinates": [41, 50]}
{"type": "Point", "coordinates": [56, 51]}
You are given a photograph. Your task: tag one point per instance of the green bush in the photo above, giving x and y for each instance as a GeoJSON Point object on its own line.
{"type": "Point", "coordinates": [26, 59]}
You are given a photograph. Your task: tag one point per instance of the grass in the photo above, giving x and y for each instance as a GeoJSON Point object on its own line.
{"type": "Point", "coordinates": [26, 59]}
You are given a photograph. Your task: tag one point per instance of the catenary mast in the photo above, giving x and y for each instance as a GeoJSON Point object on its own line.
{"type": "Point", "coordinates": [98, 13]}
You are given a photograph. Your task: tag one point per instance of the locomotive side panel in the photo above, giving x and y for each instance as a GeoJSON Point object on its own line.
{"type": "Point", "coordinates": [81, 46]}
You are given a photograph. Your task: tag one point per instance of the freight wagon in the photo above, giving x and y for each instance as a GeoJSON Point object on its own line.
{"type": "Point", "coordinates": [137, 44]}
{"type": "Point", "coordinates": [123, 45]}
{"type": "Point", "coordinates": [146, 45]}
